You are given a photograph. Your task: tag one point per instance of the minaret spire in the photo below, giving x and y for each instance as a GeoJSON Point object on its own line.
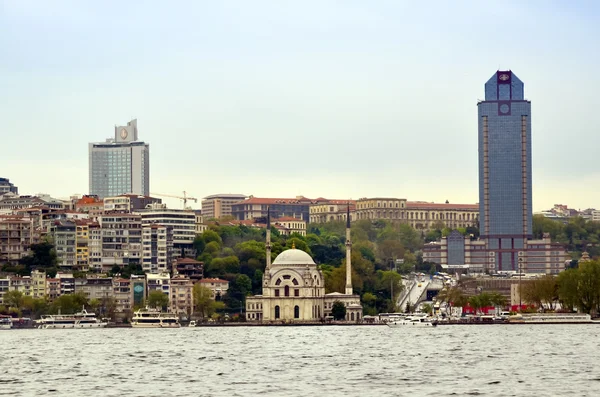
{"type": "Point", "coordinates": [268, 240]}
{"type": "Point", "coordinates": [348, 253]}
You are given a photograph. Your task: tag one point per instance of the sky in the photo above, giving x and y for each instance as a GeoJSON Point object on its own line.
{"type": "Point", "coordinates": [335, 99]}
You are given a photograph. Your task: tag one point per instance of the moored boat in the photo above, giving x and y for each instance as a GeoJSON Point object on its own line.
{"type": "Point", "coordinates": [152, 318]}
{"type": "Point", "coordinates": [81, 319]}
{"type": "Point", "coordinates": [412, 322]}
{"type": "Point", "coordinates": [550, 318]}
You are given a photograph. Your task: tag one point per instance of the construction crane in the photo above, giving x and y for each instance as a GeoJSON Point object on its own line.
{"type": "Point", "coordinates": [185, 198]}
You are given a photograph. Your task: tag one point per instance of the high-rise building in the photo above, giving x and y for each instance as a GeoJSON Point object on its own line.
{"type": "Point", "coordinates": [120, 165]}
{"type": "Point", "coordinates": [505, 203]}
{"type": "Point", "coordinates": [219, 205]}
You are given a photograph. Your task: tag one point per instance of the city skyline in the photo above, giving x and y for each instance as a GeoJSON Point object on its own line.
{"type": "Point", "coordinates": [332, 91]}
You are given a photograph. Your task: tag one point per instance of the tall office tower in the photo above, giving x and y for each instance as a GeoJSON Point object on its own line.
{"type": "Point", "coordinates": [505, 205]}
{"type": "Point", "coordinates": [120, 165]}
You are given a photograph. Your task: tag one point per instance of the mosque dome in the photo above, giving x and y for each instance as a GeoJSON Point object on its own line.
{"type": "Point", "coordinates": [293, 257]}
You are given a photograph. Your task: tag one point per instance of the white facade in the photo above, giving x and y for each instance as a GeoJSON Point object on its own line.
{"type": "Point", "coordinates": [183, 222]}
{"type": "Point", "coordinates": [157, 243]}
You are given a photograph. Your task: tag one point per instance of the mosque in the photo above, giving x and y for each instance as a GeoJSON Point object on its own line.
{"type": "Point", "coordinates": [294, 288]}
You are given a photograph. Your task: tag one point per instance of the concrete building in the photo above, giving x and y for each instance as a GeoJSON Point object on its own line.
{"type": "Point", "coordinates": [16, 235]}
{"type": "Point", "coordinates": [123, 294]}
{"type": "Point", "coordinates": [157, 251]}
{"type": "Point", "coordinates": [94, 247]}
{"type": "Point", "coordinates": [120, 165]}
{"type": "Point", "coordinates": [256, 207]}
{"type": "Point", "coordinates": [159, 282]}
{"type": "Point", "coordinates": [38, 284]}
{"type": "Point", "coordinates": [9, 203]}
{"type": "Point", "coordinates": [217, 206]}
{"type": "Point", "coordinates": [52, 288]}
{"type": "Point", "coordinates": [4, 288]}
{"type": "Point", "coordinates": [217, 287]}
{"type": "Point", "coordinates": [21, 284]}
{"type": "Point", "coordinates": [66, 282]}
{"type": "Point", "coordinates": [121, 240]}
{"type": "Point", "coordinates": [95, 288]}
{"type": "Point", "coordinates": [288, 225]}
{"type": "Point", "coordinates": [182, 222]}
{"type": "Point", "coordinates": [64, 235]}
{"type": "Point", "coordinates": [128, 203]}
{"type": "Point", "coordinates": [381, 208]}
{"type": "Point", "coordinates": [181, 299]}
{"type": "Point", "coordinates": [294, 288]}
{"type": "Point", "coordinates": [7, 187]}
{"type": "Point", "coordinates": [191, 268]}
{"type": "Point", "coordinates": [331, 211]}
{"type": "Point", "coordinates": [91, 205]}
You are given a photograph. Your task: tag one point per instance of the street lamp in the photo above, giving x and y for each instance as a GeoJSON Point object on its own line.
{"type": "Point", "coordinates": [520, 276]}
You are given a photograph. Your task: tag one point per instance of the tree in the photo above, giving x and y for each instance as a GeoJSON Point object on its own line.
{"type": "Point", "coordinates": [390, 250]}
{"type": "Point", "coordinates": [14, 299]}
{"type": "Point", "coordinates": [427, 308]}
{"type": "Point", "coordinates": [158, 299]}
{"type": "Point", "coordinates": [338, 310]}
{"type": "Point", "coordinates": [204, 305]}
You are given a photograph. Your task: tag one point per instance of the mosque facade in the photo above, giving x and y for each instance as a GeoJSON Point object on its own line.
{"type": "Point", "coordinates": [293, 288]}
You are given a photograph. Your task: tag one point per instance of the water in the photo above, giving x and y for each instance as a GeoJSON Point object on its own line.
{"type": "Point", "coordinates": [497, 360]}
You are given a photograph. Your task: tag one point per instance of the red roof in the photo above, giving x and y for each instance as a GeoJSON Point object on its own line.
{"type": "Point", "coordinates": [441, 206]}
{"type": "Point", "coordinates": [189, 260]}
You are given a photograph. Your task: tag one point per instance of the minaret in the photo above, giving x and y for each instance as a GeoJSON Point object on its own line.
{"type": "Point", "coordinates": [268, 241]}
{"type": "Point", "coordinates": [348, 254]}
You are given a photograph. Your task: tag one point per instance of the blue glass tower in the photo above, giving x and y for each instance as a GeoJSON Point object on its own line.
{"type": "Point", "coordinates": [505, 204]}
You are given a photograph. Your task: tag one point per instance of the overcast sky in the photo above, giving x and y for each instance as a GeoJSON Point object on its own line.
{"type": "Point", "coordinates": [339, 99]}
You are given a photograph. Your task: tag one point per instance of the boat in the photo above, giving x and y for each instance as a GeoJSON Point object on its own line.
{"type": "Point", "coordinates": [153, 318]}
{"type": "Point", "coordinates": [192, 323]}
{"type": "Point", "coordinates": [5, 322]}
{"type": "Point", "coordinates": [550, 318]}
{"type": "Point", "coordinates": [418, 321]}
{"type": "Point", "coordinates": [82, 319]}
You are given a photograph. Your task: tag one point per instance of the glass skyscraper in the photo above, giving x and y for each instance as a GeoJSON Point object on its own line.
{"type": "Point", "coordinates": [120, 165]}
{"type": "Point", "coordinates": [505, 204]}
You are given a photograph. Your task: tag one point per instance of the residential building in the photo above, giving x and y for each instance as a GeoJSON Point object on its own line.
{"type": "Point", "coordinates": [159, 282]}
{"type": "Point", "coordinates": [123, 295]}
{"type": "Point", "coordinates": [52, 288]}
{"type": "Point", "coordinates": [95, 288]}
{"type": "Point", "coordinates": [120, 165]}
{"type": "Point", "coordinates": [181, 299]}
{"type": "Point", "coordinates": [157, 248]}
{"type": "Point", "coordinates": [91, 205]}
{"type": "Point", "coordinates": [200, 225]}
{"type": "Point", "coordinates": [7, 187]}
{"type": "Point", "coordinates": [21, 284]}
{"type": "Point", "coordinates": [191, 268]}
{"type": "Point", "coordinates": [38, 284]}
{"type": "Point", "coordinates": [82, 241]}
{"type": "Point", "coordinates": [121, 240]}
{"type": "Point", "coordinates": [217, 287]}
{"type": "Point", "coordinates": [218, 206]}
{"type": "Point", "coordinates": [16, 235]}
{"type": "Point", "coordinates": [182, 222]}
{"type": "Point", "coordinates": [95, 246]}
{"type": "Point", "coordinates": [63, 237]}
{"type": "Point", "coordinates": [256, 207]}
{"type": "Point", "coordinates": [66, 282]}
{"type": "Point", "coordinates": [9, 203]}
{"type": "Point", "coordinates": [138, 289]}
{"type": "Point", "coordinates": [128, 203]}
{"type": "Point", "coordinates": [4, 288]}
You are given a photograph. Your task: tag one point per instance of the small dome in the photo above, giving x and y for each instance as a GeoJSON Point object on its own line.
{"type": "Point", "coordinates": [293, 257]}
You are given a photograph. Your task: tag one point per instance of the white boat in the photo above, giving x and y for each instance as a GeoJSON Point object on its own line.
{"type": "Point", "coordinates": [82, 319]}
{"type": "Point", "coordinates": [412, 322]}
{"type": "Point", "coordinates": [192, 323]}
{"type": "Point", "coordinates": [551, 318]}
{"type": "Point", "coordinates": [5, 323]}
{"type": "Point", "coordinates": [152, 318]}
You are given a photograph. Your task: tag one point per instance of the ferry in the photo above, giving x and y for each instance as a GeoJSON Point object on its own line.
{"type": "Point", "coordinates": [82, 319]}
{"type": "Point", "coordinates": [152, 318]}
{"type": "Point", "coordinates": [550, 318]}
{"type": "Point", "coordinates": [418, 321]}
{"type": "Point", "coordinates": [5, 322]}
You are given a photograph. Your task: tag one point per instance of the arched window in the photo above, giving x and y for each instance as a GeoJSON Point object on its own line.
{"type": "Point", "coordinates": [287, 290]}
{"type": "Point", "coordinates": [276, 312]}
{"type": "Point", "coordinates": [296, 311]}
{"type": "Point", "coordinates": [352, 316]}
{"type": "Point", "coordinates": [278, 281]}
{"type": "Point", "coordinates": [295, 282]}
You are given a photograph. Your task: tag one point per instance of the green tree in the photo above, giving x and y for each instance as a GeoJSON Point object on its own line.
{"type": "Point", "coordinates": [14, 299]}
{"type": "Point", "coordinates": [338, 310]}
{"type": "Point", "coordinates": [158, 299]}
{"type": "Point", "coordinates": [210, 236]}
{"type": "Point", "coordinates": [204, 305]}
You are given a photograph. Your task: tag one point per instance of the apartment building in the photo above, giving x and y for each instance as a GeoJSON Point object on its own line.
{"type": "Point", "coordinates": [182, 223]}
{"type": "Point", "coordinates": [157, 248]}
{"type": "Point", "coordinates": [16, 235]}
{"type": "Point", "coordinates": [121, 239]}
{"type": "Point", "coordinates": [217, 286]}
{"type": "Point", "coordinates": [181, 299]}
{"type": "Point", "coordinates": [63, 237]}
{"type": "Point", "coordinates": [218, 206]}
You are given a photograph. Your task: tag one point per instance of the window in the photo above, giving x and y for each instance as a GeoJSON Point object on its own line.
{"type": "Point", "coordinates": [295, 282]}
{"type": "Point", "coordinates": [296, 292]}
{"type": "Point", "coordinates": [277, 292]}
{"type": "Point", "coordinates": [277, 312]}
{"type": "Point", "coordinates": [296, 311]}
{"type": "Point", "coordinates": [287, 290]}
